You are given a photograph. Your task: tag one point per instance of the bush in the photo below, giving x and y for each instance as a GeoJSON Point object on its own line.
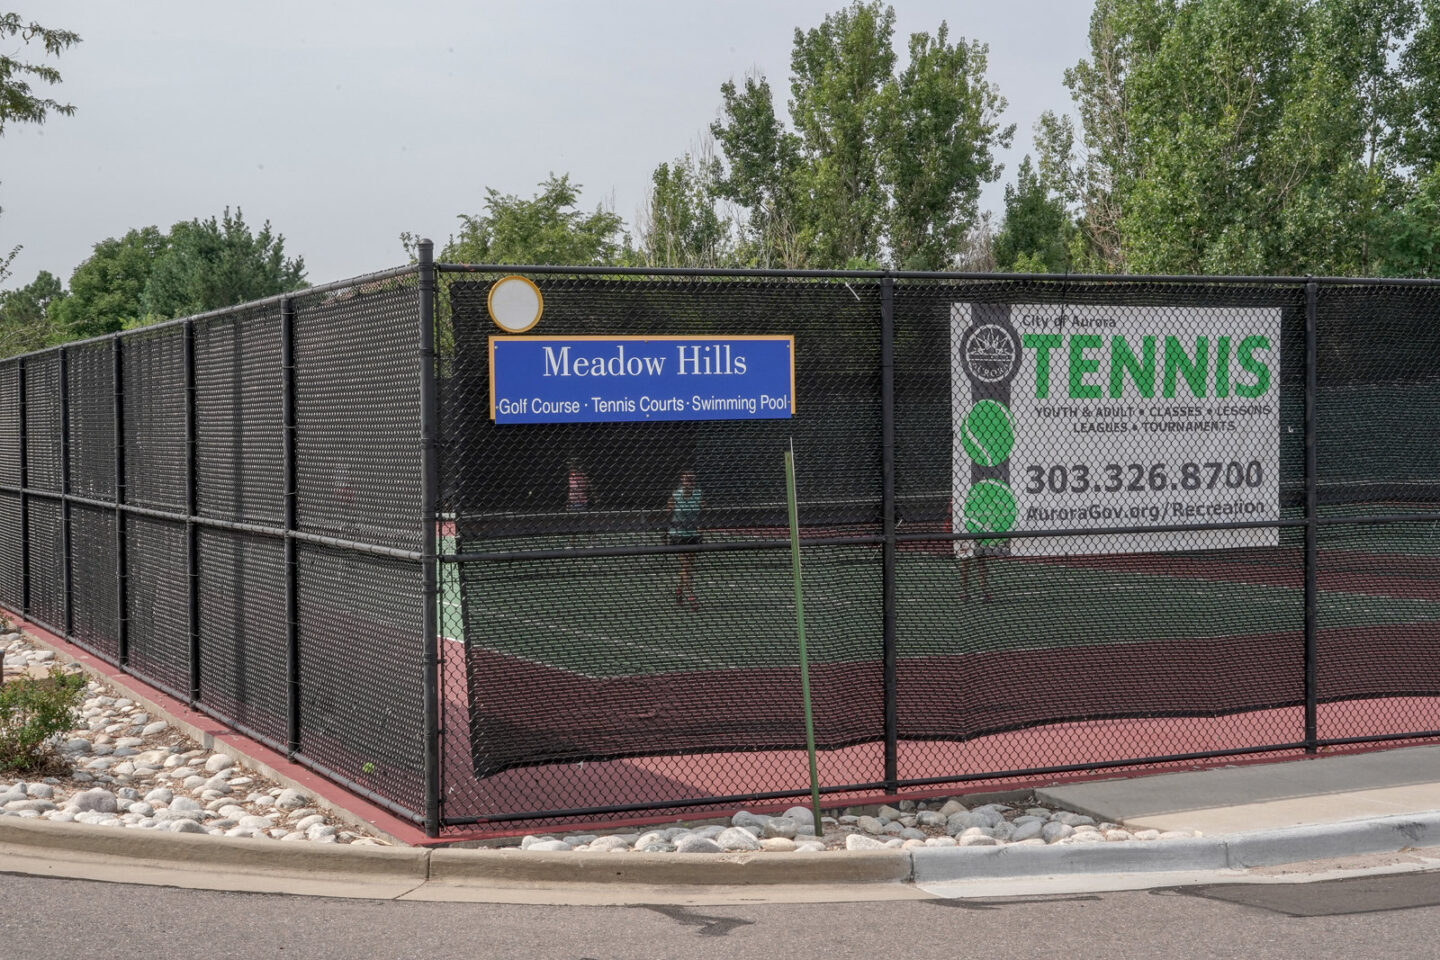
{"type": "Point", "coordinates": [33, 712]}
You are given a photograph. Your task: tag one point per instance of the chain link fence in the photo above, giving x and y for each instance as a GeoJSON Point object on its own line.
{"type": "Point", "coordinates": [1049, 526]}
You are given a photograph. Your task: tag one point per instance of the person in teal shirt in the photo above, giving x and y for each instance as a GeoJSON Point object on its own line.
{"type": "Point", "coordinates": [685, 505]}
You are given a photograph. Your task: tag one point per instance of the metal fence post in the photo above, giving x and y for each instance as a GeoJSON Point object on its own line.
{"type": "Point", "coordinates": [24, 497]}
{"type": "Point", "coordinates": [887, 500]}
{"type": "Point", "coordinates": [122, 601]}
{"type": "Point", "coordinates": [67, 617]}
{"type": "Point", "coordinates": [1312, 387]}
{"type": "Point", "coordinates": [292, 572]}
{"type": "Point", "coordinates": [192, 530]}
{"type": "Point", "coordinates": [429, 497]}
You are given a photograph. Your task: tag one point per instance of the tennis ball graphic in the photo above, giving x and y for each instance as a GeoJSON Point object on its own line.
{"type": "Point", "coordinates": [988, 434]}
{"type": "Point", "coordinates": [368, 768]}
{"type": "Point", "coordinates": [989, 508]}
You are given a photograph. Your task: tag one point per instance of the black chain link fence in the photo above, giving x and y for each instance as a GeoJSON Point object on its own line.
{"type": "Point", "coordinates": [1049, 526]}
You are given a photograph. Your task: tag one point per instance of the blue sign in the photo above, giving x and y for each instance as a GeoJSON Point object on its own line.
{"type": "Point", "coordinates": [624, 379]}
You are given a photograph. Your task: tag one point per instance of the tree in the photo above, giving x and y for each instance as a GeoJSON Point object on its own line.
{"type": "Point", "coordinates": [19, 102]}
{"type": "Point", "coordinates": [107, 288]}
{"type": "Point", "coordinates": [679, 225]}
{"type": "Point", "coordinates": [543, 230]}
{"type": "Point", "coordinates": [1246, 136]}
{"type": "Point", "coordinates": [25, 323]}
{"type": "Point", "coordinates": [761, 174]}
{"type": "Point", "coordinates": [209, 264]}
{"type": "Point", "coordinates": [838, 75]}
{"type": "Point", "coordinates": [937, 130]}
{"type": "Point", "coordinates": [879, 166]}
{"type": "Point", "coordinates": [1037, 231]}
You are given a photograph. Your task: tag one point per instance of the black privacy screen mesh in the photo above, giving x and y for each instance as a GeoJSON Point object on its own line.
{"type": "Point", "coordinates": [1379, 460]}
{"type": "Point", "coordinates": [579, 658]}
{"type": "Point", "coordinates": [1123, 413]}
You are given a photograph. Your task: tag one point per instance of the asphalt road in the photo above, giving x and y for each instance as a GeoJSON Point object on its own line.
{"type": "Point", "coordinates": [1395, 917]}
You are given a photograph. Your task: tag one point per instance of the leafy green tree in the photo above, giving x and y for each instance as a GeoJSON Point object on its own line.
{"type": "Point", "coordinates": [936, 134]}
{"type": "Point", "coordinates": [1036, 234]}
{"type": "Point", "coordinates": [761, 174]}
{"type": "Point", "coordinates": [214, 263]}
{"type": "Point", "coordinates": [680, 225]}
{"type": "Point", "coordinates": [107, 288]}
{"type": "Point", "coordinates": [880, 166]}
{"type": "Point", "coordinates": [19, 101]}
{"type": "Point", "coordinates": [546, 229]}
{"type": "Point", "coordinates": [1246, 136]}
{"type": "Point", "coordinates": [838, 77]}
{"type": "Point", "coordinates": [25, 324]}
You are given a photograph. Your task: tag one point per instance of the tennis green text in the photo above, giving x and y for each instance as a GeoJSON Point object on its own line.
{"type": "Point", "coordinates": [1090, 366]}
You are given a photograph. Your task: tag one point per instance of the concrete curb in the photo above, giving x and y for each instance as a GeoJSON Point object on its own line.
{"type": "Point", "coordinates": [414, 866]}
{"type": "Point", "coordinates": [78, 840]}
{"type": "Point", "coordinates": [1231, 852]}
{"type": "Point", "coordinates": [714, 869]}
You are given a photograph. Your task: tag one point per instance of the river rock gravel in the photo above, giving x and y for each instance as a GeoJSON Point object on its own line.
{"type": "Point", "coordinates": [129, 770]}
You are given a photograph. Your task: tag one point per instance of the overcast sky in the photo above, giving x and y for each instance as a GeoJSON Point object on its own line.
{"type": "Point", "coordinates": [345, 123]}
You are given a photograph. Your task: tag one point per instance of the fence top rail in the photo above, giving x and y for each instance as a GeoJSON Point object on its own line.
{"type": "Point", "coordinates": [376, 277]}
{"type": "Point", "coordinates": [759, 273]}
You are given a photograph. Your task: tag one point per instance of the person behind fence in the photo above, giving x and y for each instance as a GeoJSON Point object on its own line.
{"type": "Point", "coordinates": [577, 501]}
{"type": "Point", "coordinates": [685, 504]}
{"type": "Point", "coordinates": [981, 550]}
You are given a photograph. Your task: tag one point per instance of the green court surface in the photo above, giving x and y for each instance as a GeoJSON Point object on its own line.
{"type": "Point", "coordinates": [606, 617]}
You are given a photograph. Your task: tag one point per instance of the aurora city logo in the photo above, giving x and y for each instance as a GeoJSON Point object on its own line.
{"type": "Point", "coordinates": [990, 353]}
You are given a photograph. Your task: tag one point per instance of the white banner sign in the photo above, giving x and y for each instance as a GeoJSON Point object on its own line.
{"type": "Point", "coordinates": [1088, 417]}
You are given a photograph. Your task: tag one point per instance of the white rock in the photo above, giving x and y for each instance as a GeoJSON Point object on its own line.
{"type": "Point", "coordinates": [737, 838]}
{"type": "Point", "coordinates": [291, 800]}
{"type": "Point", "coordinates": [1175, 835]}
{"type": "Point", "coordinates": [801, 815]}
{"type": "Point", "coordinates": [694, 844]}
{"type": "Point", "coordinates": [314, 818]}
{"type": "Point", "coordinates": [160, 795]}
{"type": "Point", "coordinates": [870, 825]}
{"type": "Point", "coordinates": [744, 818]}
{"type": "Point", "coordinates": [941, 842]}
{"type": "Point", "coordinates": [218, 762]}
{"type": "Point", "coordinates": [319, 830]}
{"type": "Point", "coordinates": [255, 823]}
{"type": "Point", "coordinates": [952, 807]}
{"type": "Point", "coordinates": [150, 729]}
{"type": "Point", "coordinates": [185, 805]}
{"type": "Point", "coordinates": [550, 846]}
{"type": "Point", "coordinates": [888, 813]}
{"type": "Point", "coordinates": [1147, 834]}
{"type": "Point", "coordinates": [977, 840]}
{"type": "Point", "coordinates": [1027, 830]}
{"type": "Point", "coordinates": [778, 845]}
{"type": "Point", "coordinates": [858, 841]}
{"type": "Point", "coordinates": [94, 801]}
{"type": "Point", "coordinates": [1054, 831]}
{"type": "Point", "coordinates": [610, 844]}
{"type": "Point", "coordinates": [930, 818]}
{"type": "Point", "coordinates": [1072, 819]}
{"type": "Point", "coordinates": [910, 833]}
{"type": "Point", "coordinates": [781, 827]}
{"type": "Point", "coordinates": [185, 826]}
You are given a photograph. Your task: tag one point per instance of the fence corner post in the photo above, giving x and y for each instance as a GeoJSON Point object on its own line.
{"type": "Point", "coordinates": [291, 517]}
{"type": "Point", "coordinates": [887, 506]}
{"type": "Point", "coordinates": [429, 497]}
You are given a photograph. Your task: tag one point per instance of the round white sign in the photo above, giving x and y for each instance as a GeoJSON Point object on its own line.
{"type": "Point", "coordinates": [515, 304]}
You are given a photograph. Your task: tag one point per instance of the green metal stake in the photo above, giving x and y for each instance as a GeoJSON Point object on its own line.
{"type": "Point", "coordinates": [800, 629]}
